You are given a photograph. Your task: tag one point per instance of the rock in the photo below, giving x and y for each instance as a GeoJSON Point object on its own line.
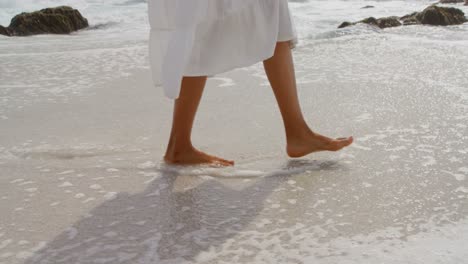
{"type": "Point", "coordinates": [367, 6]}
{"type": "Point", "coordinates": [58, 20]}
{"type": "Point", "coordinates": [345, 24]}
{"type": "Point", "coordinates": [451, 1]}
{"type": "Point", "coordinates": [387, 22]}
{"type": "Point", "coordinates": [369, 21]}
{"type": "Point", "coordinates": [410, 19]}
{"type": "Point", "coordinates": [432, 15]}
{"type": "Point", "coordinates": [384, 22]}
{"type": "Point", "coordinates": [4, 31]}
{"type": "Point", "coordinates": [441, 16]}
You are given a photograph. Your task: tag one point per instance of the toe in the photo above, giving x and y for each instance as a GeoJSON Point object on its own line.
{"type": "Point", "coordinates": [346, 142]}
{"type": "Point", "coordinates": [340, 143]}
{"type": "Point", "coordinates": [345, 139]}
{"type": "Point", "coordinates": [222, 162]}
{"type": "Point", "coordinates": [227, 162]}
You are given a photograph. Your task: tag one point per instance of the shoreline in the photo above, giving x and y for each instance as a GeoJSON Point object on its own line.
{"type": "Point", "coordinates": [81, 178]}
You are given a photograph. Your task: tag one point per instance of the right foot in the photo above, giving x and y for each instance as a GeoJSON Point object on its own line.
{"type": "Point", "coordinates": [193, 156]}
{"type": "Point", "coordinates": [312, 142]}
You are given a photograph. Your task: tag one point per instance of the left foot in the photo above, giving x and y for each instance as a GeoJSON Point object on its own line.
{"type": "Point", "coordinates": [192, 156]}
{"type": "Point", "coordinates": [312, 142]}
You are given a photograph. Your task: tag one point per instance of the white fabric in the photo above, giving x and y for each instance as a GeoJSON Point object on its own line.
{"type": "Point", "coordinates": [208, 37]}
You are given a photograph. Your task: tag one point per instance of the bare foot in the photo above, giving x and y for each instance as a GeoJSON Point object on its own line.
{"type": "Point", "coordinates": [193, 156]}
{"type": "Point", "coordinates": [312, 142]}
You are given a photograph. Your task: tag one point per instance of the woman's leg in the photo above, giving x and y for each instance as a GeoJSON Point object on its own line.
{"type": "Point", "coordinates": [180, 149]}
{"type": "Point", "coordinates": [301, 140]}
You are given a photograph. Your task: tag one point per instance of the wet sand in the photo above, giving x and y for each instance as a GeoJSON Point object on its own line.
{"type": "Point", "coordinates": [81, 179]}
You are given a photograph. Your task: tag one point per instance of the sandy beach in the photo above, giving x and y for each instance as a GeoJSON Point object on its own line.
{"type": "Point", "coordinates": [82, 138]}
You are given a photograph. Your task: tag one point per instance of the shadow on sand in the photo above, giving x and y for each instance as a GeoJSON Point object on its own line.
{"type": "Point", "coordinates": [172, 221]}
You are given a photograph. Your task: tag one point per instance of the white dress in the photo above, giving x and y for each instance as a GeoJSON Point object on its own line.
{"type": "Point", "coordinates": [208, 37]}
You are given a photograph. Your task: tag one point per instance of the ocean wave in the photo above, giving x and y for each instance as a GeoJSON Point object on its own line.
{"type": "Point", "coordinates": [33, 4]}
{"type": "Point", "coordinates": [359, 29]}
{"type": "Point", "coordinates": [103, 26]}
{"type": "Point", "coordinates": [133, 2]}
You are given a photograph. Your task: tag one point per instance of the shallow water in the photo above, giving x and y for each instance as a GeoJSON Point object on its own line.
{"type": "Point", "coordinates": [83, 131]}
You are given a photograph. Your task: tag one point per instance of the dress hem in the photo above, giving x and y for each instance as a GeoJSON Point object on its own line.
{"type": "Point", "coordinates": [292, 44]}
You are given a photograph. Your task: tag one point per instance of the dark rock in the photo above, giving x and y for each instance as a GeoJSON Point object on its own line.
{"type": "Point", "coordinates": [367, 6]}
{"type": "Point", "coordinates": [432, 15]}
{"type": "Point", "coordinates": [370, 21]}
{"type": "Point", "coordinates": [345, 24]}
{"type": "Point", "coordinates": [58, 20]}
{"type": "Point", "coordinates": [451, 1]}
{"type": "Point", "coordinates": [384, 22]}
{"type": "Point", "coordinates": [387, 22]}
{"type": "Point", "coordinates": [4, 31]}
{"type": "Point", "coordinates": [441, 16]}
{"type": "Point", "coordinates": [410, 19]}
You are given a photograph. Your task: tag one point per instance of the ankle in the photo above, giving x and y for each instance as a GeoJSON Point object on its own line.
{"type": "Point", "coordinates": [298, 135]}
{"type": "Point", "coordinates": [175, 148]}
